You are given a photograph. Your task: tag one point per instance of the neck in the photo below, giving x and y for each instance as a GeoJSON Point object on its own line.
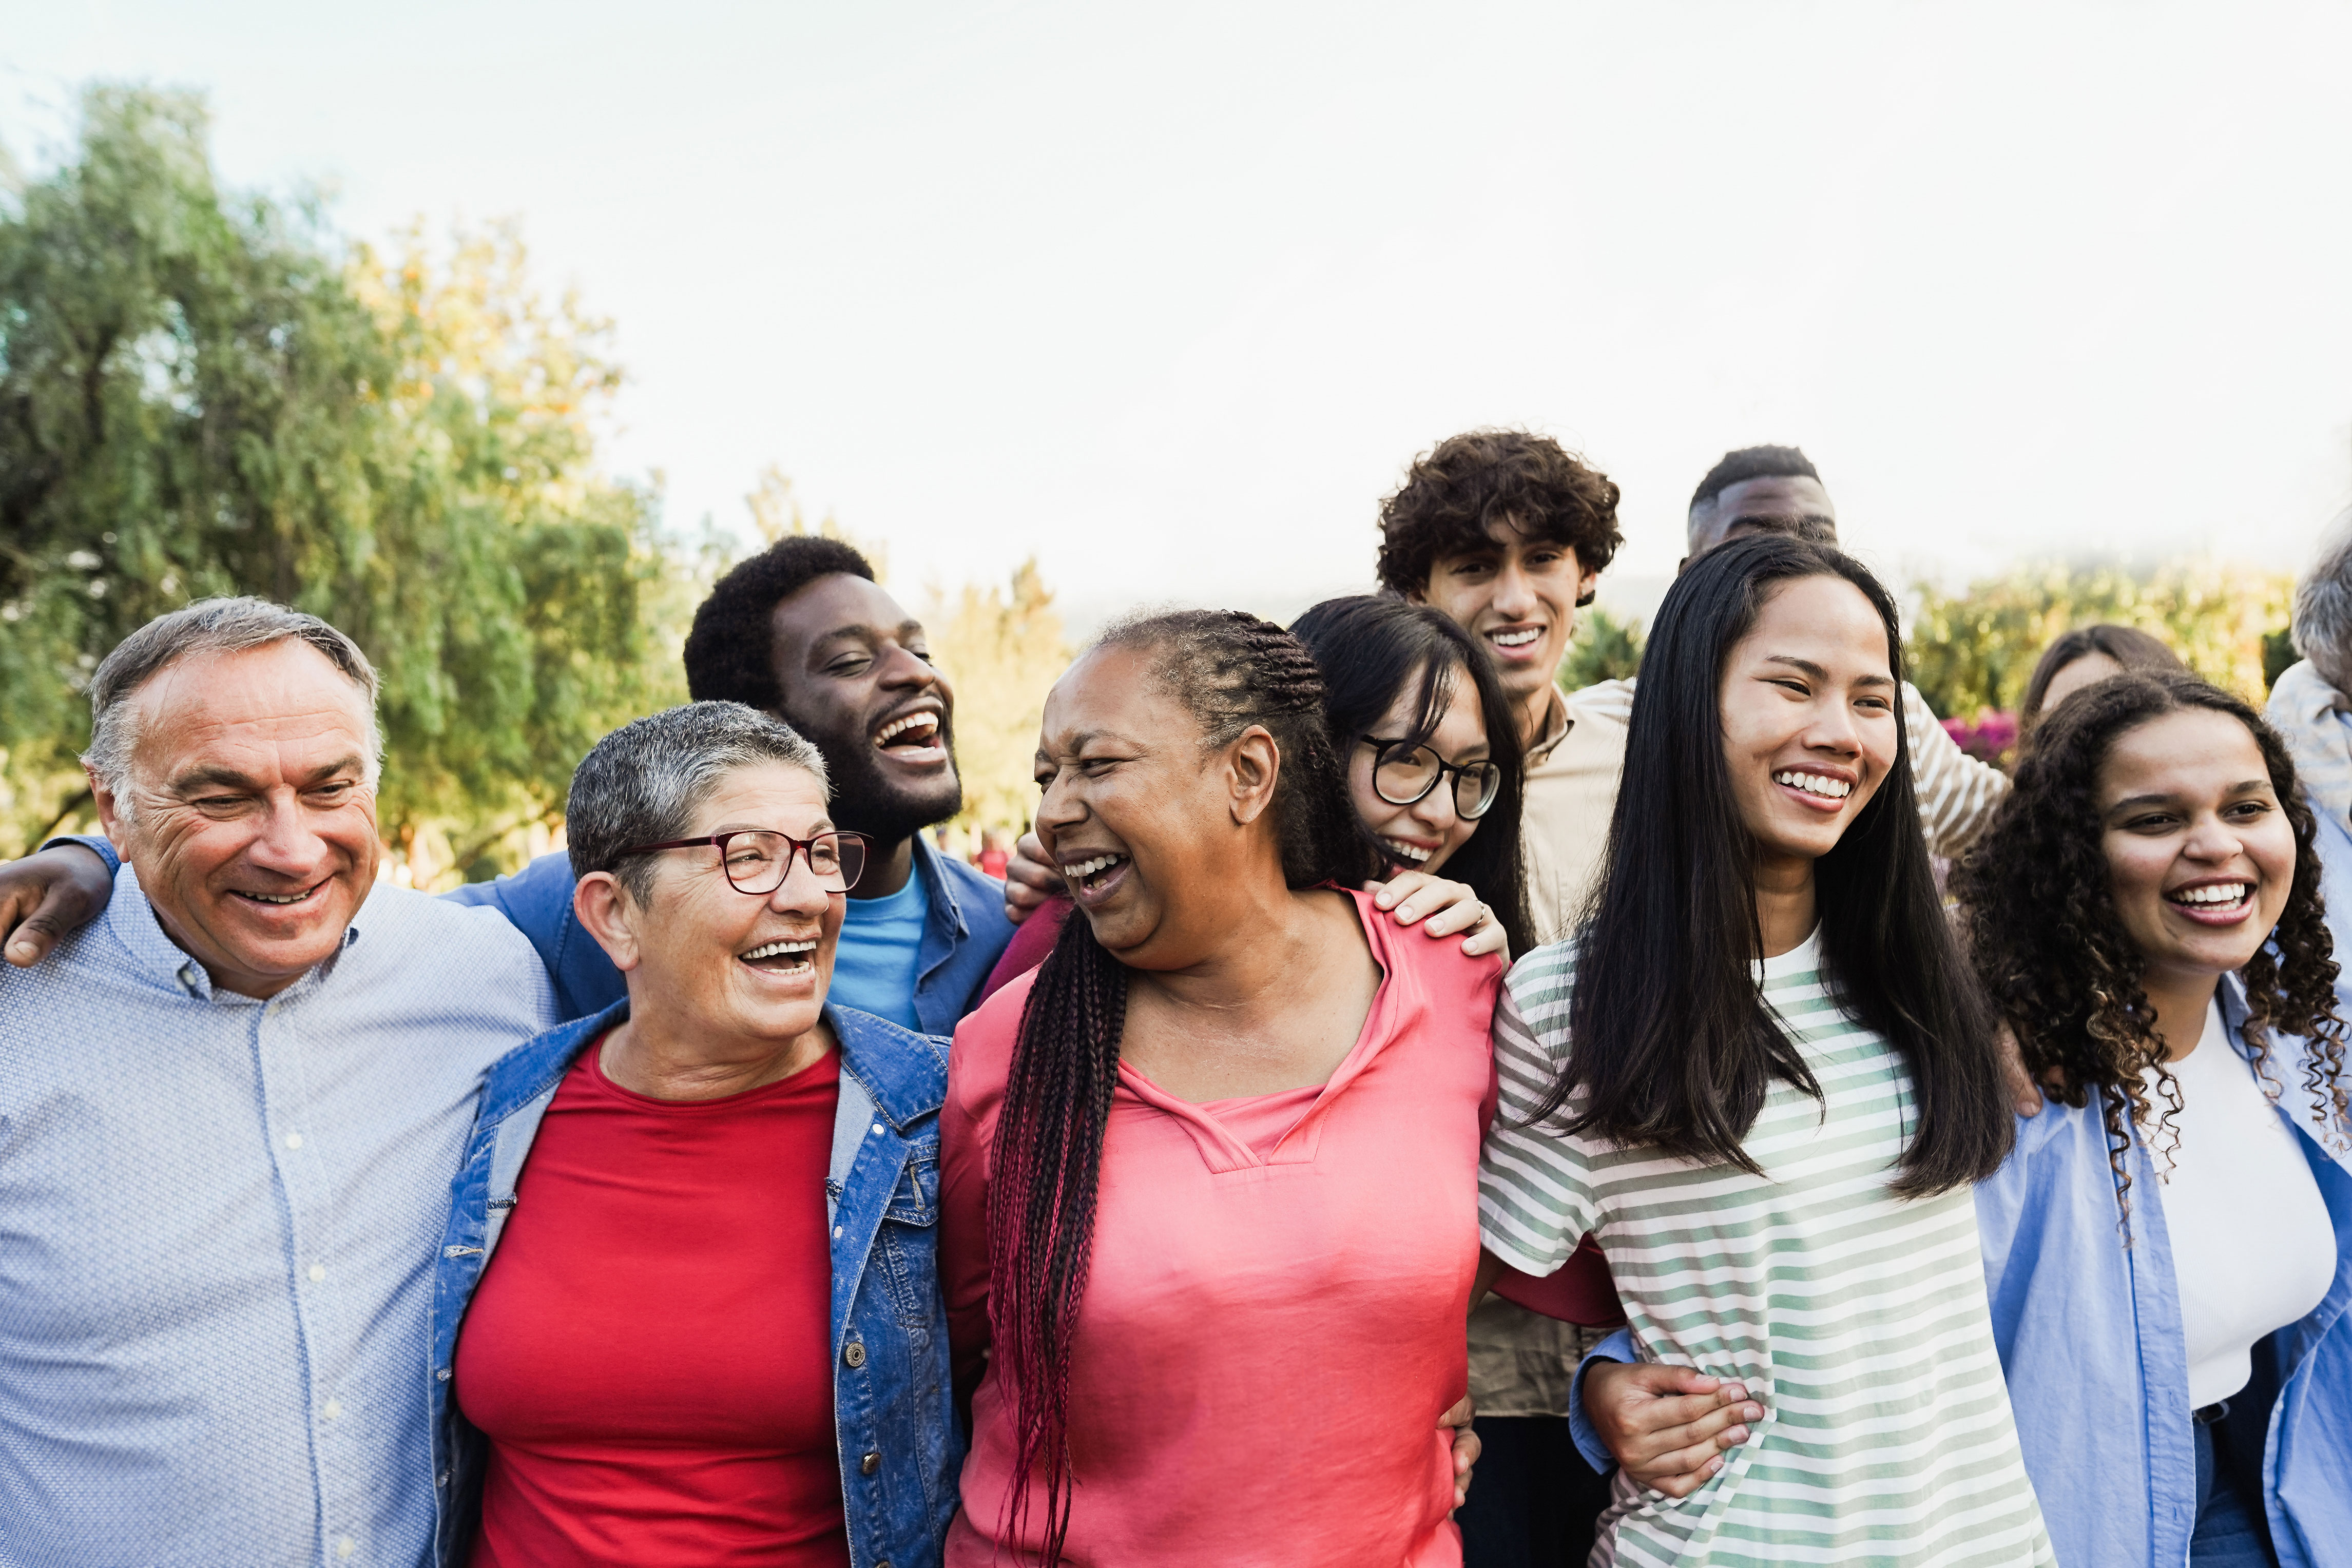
{"type": "Point", "coordinates": [652, 1056]}
{"type": "Point", "coordinates": [226, 978]}
{"type": "Point", "coordinates": [2179, 1002]}
{"type": "Point", "coordinates": [1537, 710]}
{"type": "Point", "coordinates": [1785, 907]}
{"type": "Point", "coordinates": [891, 866]}
{"type": "Point", "coordinates": [1263, 942]}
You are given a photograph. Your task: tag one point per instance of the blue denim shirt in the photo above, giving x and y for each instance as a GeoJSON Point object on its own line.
{"type": "Point", "coordinates": [964, 933]}
{"type": "Point", "coordinates": [900, 1444]}
{"type": "Point", "coordinates": [2090, 1337]}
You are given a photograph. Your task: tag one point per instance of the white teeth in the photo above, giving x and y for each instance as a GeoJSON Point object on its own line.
{"type": "Point", "coordinates": [1408, 851]}
{"type": "Point", "coordinates": [924, 721]}
{"type": "Point", "coordinates": [1516, 639]}
{"type": "Point", "coordinates": [1088, 868]}
{"type": "Point", "coordinates": [278, 897]}
{"type": "Point", "coordinates": [778, 949]}
{"type": "Point", "coordinates": [2217, 893]}
{"type": "Point", "coordinates": [1815, 784]}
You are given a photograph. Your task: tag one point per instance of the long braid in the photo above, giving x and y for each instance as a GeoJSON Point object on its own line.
{"type": "Point", "coordinates": [1230, 671]}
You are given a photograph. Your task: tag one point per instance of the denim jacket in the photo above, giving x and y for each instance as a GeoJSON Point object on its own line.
{"type": "Point", "coordinates": [900, 1444]}
{"type": "Point", "coordinates": [965, 930]}
{"type": "Point", "coordinates": [2091, 1342]}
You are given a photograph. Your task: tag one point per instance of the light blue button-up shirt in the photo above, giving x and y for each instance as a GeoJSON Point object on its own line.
{"type": "Point", "coordinates": [218, 1222]}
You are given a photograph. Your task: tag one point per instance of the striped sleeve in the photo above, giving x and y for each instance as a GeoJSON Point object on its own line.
{"type": "Point", "coordinates": [1957, 794]}
{"type": "Point", "coordinates": [1534, 1190]}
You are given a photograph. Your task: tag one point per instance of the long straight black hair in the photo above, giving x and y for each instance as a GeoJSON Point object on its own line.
{"type": "Point", "coordinates": [1229, 671]}
{"type": "Point", "coordinates": [1371, 650]}
{"type": "Point", "coordinates": [1671, 1045]}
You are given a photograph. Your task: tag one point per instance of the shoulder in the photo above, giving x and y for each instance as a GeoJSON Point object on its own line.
{"type": "Point", "coordinates": [1609, 700]}
{"type": "Point", "coordinates": [1543, 979]}
{"type": "Point", "coordinates": [906, 1073]}
{"type": "Point", "coordinates": [979, 897]}
{"type": "Point", "coordinates": [467, 956]}
{"type": "Point", "coordinates": [982, 1057]}
{"type": "Point", "coordinates": [532, 1067]}
{"type": "Point", "coordinates": [1596, 727]}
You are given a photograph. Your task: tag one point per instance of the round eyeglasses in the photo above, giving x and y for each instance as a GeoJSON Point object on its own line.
{"type": "Point", "coordinates": [1404, 772]}
{"type": "Point", "coordinates": [758, 860]}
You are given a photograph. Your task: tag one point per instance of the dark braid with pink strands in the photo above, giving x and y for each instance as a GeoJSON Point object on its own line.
{"type": "Point", "coordinates": [1230, 671]}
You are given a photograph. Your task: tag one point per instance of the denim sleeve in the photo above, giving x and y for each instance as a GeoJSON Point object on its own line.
{"type": "Point", "coordinates": [95, 845]}
{"type": "Point", "coordinates": [1618, 1346]}
{"type": "Point", "coordinates": [537, 902]}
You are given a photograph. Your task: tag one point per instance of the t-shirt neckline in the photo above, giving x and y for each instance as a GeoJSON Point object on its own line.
{"type": "Point", "coordinates": [1805, 956]}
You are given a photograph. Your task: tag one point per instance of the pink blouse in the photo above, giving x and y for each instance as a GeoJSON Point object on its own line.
{"type": "Point", "coordinates": [1275, 1319]}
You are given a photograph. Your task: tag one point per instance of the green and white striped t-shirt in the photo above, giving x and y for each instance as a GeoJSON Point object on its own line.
{"type": "Point", "coordinates": [1857, 1319]}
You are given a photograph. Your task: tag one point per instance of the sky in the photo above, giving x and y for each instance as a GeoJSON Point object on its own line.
{"type": "Point", "coordinates": [1168, 297]}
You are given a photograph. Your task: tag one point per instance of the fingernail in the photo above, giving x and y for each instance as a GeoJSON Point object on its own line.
{"type": "Point", "coordinates": [1753, 1413]}
{"type": "Point", "coordinates": [1715, 1464]}
{"type": "Point", "coordinates": [1736, 1437]}
{"type": "Point", "coordinates": [1404, 911]}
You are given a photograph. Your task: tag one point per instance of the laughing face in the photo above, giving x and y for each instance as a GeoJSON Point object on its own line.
{"type": "Point", "coordinates": [858, 682]}
{"type": "Point", "coordinates": [718, 964]}
{"type": "Point", "coordinates": [1424, 835]}
{"type": "Point", "coordinates": [1519, 595]}
{"type": "Point", "coordinates": [1809, 719]}
{"type": "Point", "coordinates": [249, 818]}
{"type": "Point", "coordinates": [2202, 855]}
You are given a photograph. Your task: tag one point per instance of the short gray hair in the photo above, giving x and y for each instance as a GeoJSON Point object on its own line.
{"type": "Point", "coordinates": [2322, 606]}
{"type": "Point", "coordinates": [643, 783]}
{"type": "Point", "coordinates": [207, 626]}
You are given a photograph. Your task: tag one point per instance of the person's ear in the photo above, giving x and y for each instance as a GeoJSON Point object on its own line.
{"type": "Point", "coordinates": [611, 915]}
{"type": "Point", "coordinates": [1253, 765]}
{"type": "Point", "coordinates": [1587, 585]}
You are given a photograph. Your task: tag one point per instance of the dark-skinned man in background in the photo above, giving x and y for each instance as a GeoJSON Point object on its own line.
{"type": "Point", "coordinates": [801, 630]}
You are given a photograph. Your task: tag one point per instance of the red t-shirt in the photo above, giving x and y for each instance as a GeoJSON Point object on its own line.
{"type": "Point", "coordinates": [649, 1351]}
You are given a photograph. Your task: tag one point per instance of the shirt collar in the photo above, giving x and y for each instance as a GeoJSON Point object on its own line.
{"type": "Point", "coordinates": [133, 919]}
{"type": "Point", "coordinates": [1556, 730]}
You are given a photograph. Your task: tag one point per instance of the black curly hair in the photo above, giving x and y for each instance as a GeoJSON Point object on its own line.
{"type": "Point", "coordinates": [730, 652]}
{"type": "Point", "coordinates": [1229, 671]}
{"type": "Point", "coordinates": [1465, 482]}
{"type": "Point", "coordinates": [2038, 904]}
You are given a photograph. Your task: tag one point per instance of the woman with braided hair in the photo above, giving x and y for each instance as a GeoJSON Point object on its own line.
{"type": "Point", "coordinates": [2170, 1247]}
{"type": "Point", "coordinates": [1209, 1173]}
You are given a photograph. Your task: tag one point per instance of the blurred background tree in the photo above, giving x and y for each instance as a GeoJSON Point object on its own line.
{"type": "Point", "coordinates": [1001, 648]}
{"type": "Point", "coordinates": [204, 393]}
{"type": "Point", "coordinates": [1605, 649]}
{"type": "Point", "coordinates": [1973, 651]}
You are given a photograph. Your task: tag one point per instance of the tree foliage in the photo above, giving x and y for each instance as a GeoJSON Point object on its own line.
{"type": "Point", "coordinates": [203, 393]}
{"type": "Point", "coordinates": [1003, 650]}
{"type": "Point", "coordinates": [1604, 649]}
{"type": "Point", "coordinates": [1974, 651]}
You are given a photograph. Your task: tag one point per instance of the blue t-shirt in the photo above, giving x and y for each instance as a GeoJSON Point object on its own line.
{"type": "Point", "coordinates": [881, 943]}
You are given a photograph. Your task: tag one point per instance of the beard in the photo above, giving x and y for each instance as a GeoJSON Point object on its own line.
{"type": "Point", "coordinates": [866, 800]}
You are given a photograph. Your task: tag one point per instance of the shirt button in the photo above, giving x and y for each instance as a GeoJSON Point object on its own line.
{"type": "Point", "coordinates": [869, 1464]}
{"type": "Point", "coordinates": [345, 1546]}
{"type": "Point", "coordinates": [878, 1129]}
{"type": "Point", "coordinates": [853, 1354]}
{"type": "Point", "coordinates": [293, 1140]}
{"type": "Point", "coordinates": [836, 1233]}
{"type": "Point", "coordinates": [334, 1407]}
{"type": "Point", "coordinates": [443, 1374]}
{"type": "Point", "coordinates": [318, 1270]}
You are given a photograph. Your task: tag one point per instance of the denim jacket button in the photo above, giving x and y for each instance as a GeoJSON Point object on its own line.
{"type": "Point", "coordinates": [869, 1464]}
{"type": "Point", "coordinates": [853, 1354]}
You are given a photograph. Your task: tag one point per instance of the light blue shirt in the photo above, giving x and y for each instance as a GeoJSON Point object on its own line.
{"type": "Point", "coordinates": [219, 1218]}
{"type": "Point", "coordinates": [881, 945]}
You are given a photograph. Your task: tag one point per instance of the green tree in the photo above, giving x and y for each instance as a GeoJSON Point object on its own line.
{"type": "Point", "coordinates": [1975, 650]}
{"type": "Point", "coordinates": [1002, 649]}
{"type": "Point", "coordinates": [1605, 649]}
{"type": "Point", "coordinates": [204, 393]}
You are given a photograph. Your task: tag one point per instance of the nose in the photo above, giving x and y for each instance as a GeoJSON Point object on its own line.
{"type": "Point", "coordinates": [288, 844]}
{"type": "Point", "coordinates": [904, 670]}
{"type": "Point", "coordinates": [1515, 592]}
{"type": "Point", "coordinates": [1058, 808]}
{"type": "Point", "coordinates": [802, 891]}
{"type": "Point", "coordinates": [1436, 810]}
{"type": "Point", "coordinates": [1834, 729]}
{"type": "Point", "coordinates": [2212, 839]}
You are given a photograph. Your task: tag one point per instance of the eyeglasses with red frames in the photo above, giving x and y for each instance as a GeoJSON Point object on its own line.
{"type": "Point", "coordinates": [758, 860]}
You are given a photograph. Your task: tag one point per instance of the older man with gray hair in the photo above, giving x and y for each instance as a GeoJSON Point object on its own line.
{"type": "Point", "coordinates": [229, 1112]}
{"type": "Point", "coordinates": [2311, 709]}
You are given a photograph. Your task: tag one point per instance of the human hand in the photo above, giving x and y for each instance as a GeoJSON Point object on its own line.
{"type": "Point", "coordinates": [1029, 880]}
{"type": "Point", "coordinates": [1465, 1447]}
{"type": "Point", "coordinates": [1667, 1425]}
{"type": "Point", "coordinates": [46, 896]}
{"type": "Point", "coordinates": [2022, 1090]}
{"type": "Point", "coordinates": [1442, 908]}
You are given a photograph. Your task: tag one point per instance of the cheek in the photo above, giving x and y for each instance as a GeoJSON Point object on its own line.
{"type": "Point", "coordinates": [2272, 851]}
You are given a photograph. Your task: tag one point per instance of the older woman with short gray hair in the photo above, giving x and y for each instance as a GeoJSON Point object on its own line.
{"type": "Point", "coordinates": [2311, 708]}
{"type": "Point", "coordinates": [714, 1333]}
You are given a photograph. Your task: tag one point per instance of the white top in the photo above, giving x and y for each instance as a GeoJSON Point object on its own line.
{"type": "Point", "coordinates": [2252, 1242]}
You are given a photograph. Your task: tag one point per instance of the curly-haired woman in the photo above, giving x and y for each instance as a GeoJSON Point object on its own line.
{"type": "Point", "coordinates": [2169, 1249]}
{"type": "Point", "coordinates": [1209, 1173]}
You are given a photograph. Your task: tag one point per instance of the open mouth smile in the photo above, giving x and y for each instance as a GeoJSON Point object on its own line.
{"type": "Point", "coordinates": [277, 899]}
{"type": "Point", "coordinates": [793, 956]}
{"type": "Point", "coordinates": [2214, 903]}
{"type": "Point", "coordinates": [1515, 640]}
{"type": "Point", "coordinates": [1822, 791]}
{"type": "Point", "coordinates": [912, 738]}
{"type": "Point", "coordinates": [1407, 854]}
{"type": "Point", "coordinates": [1092, 879]}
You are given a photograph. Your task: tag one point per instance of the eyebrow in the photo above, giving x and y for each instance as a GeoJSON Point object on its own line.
{"type": "Point", "coordinates": [825, 825]}
{"type": "Point", "coordinates": [867, 633]}
{"type": "Point", "coordinates": [2160, 798]}
{"type": "Point", "coordinates": [218, 777]}
{"type": "Point", "coordinates": [1818, 674]}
